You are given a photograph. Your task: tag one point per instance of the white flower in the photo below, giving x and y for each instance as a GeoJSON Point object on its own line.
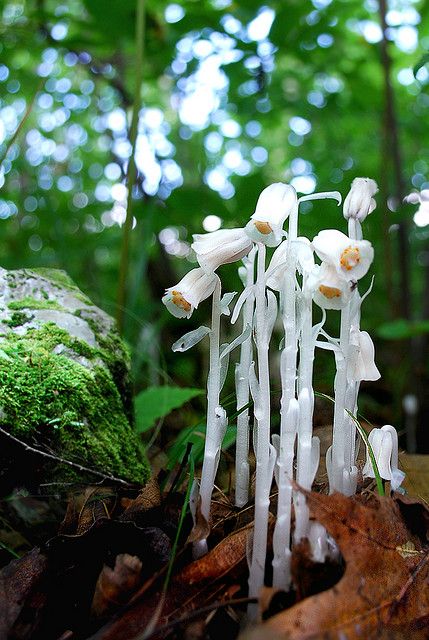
{"type": "Point", "coordinates": [364, 367]}
{"type": "Point", "coordinates": [331, 291]}
{"type": "Point", "coordinates": [273, 207]}
{"type": "Point", "coordinates": [220, 247]}
{"type": "Point", "coordinates": [351, 258]}
{"type": "Point", "coordinates": [359, 202]}
{"type": "Point", "coordinates": [421, 216]}
{"type": "Point", "coordinates": [186, 295]}
{"type": "Point", "coordinates": [384, 444]}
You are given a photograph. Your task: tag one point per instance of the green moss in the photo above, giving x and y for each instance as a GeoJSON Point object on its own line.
{"type": "Point", "coordinates": [60, 404]}
{"type": "Point", "coordinates": [32, 303]}
{"type": "Point", "coordinates": [17, 319]}
{"type": "Point", "coordinates": [63, 280]}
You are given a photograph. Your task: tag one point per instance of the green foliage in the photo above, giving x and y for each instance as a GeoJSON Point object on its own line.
{"type": "Point", "coordinates": [59, 204]}
{"type": "Point", "coordinates": [158, 402]}
{"type": "Point", "coordinates": [59, 403]}
{"type": "Point", "coordinates": [402, 329]}
{"type": "Point", "coordinates": [195, 435]}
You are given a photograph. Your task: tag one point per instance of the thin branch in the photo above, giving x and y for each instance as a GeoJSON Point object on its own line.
{"type": "Point", "coordinates": [189, 617]}
{"type": "Point", "coordinates": [21, 124]}
{"type": "Point", "coordinates": [59, 460]}
{"type": "Point", "coordinates": [132, 169]}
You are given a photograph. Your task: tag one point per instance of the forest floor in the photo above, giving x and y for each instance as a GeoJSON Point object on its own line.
{"type": "Point", "coordinates": [116, 569]}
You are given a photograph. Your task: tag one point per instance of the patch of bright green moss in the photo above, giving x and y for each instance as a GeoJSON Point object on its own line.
{"type": "Point", "coordinates": [32, 303]}
{"type": "Point", "coordinates": [17, 319]}
{"type": "Point", "coordinates": [76, 412]}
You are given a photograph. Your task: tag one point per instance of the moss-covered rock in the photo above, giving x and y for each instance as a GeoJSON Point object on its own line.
{"type": "Point", "coordinates": [64, 378]}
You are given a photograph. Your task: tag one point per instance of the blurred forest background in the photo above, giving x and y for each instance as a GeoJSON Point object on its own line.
{"type": "Point", "coordinates": [227, 96]}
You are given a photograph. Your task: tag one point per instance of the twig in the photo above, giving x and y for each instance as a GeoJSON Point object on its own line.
{"type": "Point", "coordinates": [69, 463]}
{"type": "Point", "coordinates": [21, 124]}
{"type": "Point", "coordinates": [189, 617]}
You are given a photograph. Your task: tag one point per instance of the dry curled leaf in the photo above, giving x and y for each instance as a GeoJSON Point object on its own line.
{"type": "Point", "coordinates": [148, 498]}
{"type": "Point", "coordinates": [86, 509]}
{"type": "Point", "coordinates": [190, 588]}
{"type": "Point", "coordinates": [21, 597]}
{"type": "Point", "coordinates": [383, 593]}
{"type": "Point", "coordinates": [114, 586]}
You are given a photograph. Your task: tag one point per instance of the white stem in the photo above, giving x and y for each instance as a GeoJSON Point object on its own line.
{"type": "Point", "coordinates": [281, 538]}
{"type": "Point", "coordinates": [288, 417]}
{"type": "Point", "coordinates": [263, 478]}
{"type": "Point", "coordinates": [213, 437]}
{"type": "Point", "coordinates": [344, 429]}
{"type": "Point", "coordinates": [340, 386]}
{"type": "Point", "coordinates": [242, 472]}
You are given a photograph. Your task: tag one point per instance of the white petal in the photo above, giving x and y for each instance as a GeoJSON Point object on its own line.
{"type": "Point", "coordinates": [262, 231]}
{"type": "Point", "coordinates": [275, 203]}
{"type": "Point", "coordinates": [412, 198]}
{"type": "Point", "coordinates": [331, 291]}
{"type": "Point", "coordinates": [365, 367]}
{"type": "Point", "coordinates": [176, 310]}
{"type": "Point", "coordinates": [186, 295]}
{"type": "Point", "coordinates": [329, 244]}
{"type": "Point", "coordinates": [220, 247]}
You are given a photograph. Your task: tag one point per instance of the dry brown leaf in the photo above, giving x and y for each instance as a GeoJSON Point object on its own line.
{"type": "Point", "coordinates": [384, 592]}
{"type": "Point", "coordinates": [86, 509]}
{"type": "Point", "coordinates": [114, 586]}
{"type": "Point", "coordinates": [20, 593]}
{"type": "Point", "coordinates": [148, 498]}
{"type": "Point", "coordinates": [189, 589]}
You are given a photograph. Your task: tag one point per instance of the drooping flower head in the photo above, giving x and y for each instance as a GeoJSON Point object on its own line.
{"type": "Point", "coordinates": [384, 443]}
{"type": "Point", "coordinates": [273, 207]}
{"type": "Point", "coordinates": [186, 295]}
{"type": "Point", "coordinates": [330, 289]}
{"type": "Point", "coordinates": [364, 367]}
{"type": "Point", "coordinates": [351, 258]}
{"type": "Point", "coordinates": [359, 202]}
{"type": "Point", "coordinates": [220, 247]}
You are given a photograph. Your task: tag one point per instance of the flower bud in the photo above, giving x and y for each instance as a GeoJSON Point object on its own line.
{"type": "Point", "coordinates": [359, 202]}
{"type": "Point", "coordinates": [384, 444]}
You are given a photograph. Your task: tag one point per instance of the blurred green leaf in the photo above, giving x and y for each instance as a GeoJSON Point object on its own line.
{"type": "Point", "coordinates": [157, 402]}
{"type": "Point", "coordinates": [196, 436]}
{"type": "Point", "coordinates": [402, 329]}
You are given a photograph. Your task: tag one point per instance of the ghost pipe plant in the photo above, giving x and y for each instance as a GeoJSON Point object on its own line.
{"type": "Point", "coordinates": [350, 258]}
{"type": "Point", "coordinates": [299, 282]}
{"type": "Point", "coordinates": [266, 228]}
{"type": "Point", "coordinates": [212, 250]}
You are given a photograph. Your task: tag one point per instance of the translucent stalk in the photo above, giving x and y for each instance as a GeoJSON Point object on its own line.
{"type": "Point", "coordinates": [288, 418]}
{"type": "Point", "coordinates": [215, 419]}
{"type": "Point", "coordinates": [281, 538]}
{"type": "Point", "coordinates": [242, 470]}
{"type": "Point", "coordinates": [306, 443]}
{"type": "Point", "coordinates": [262, 415]}
{"type": "Point", "coordinates": [344, 473]}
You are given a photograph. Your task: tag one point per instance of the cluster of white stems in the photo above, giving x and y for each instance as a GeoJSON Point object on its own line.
{"type": "Point", "coordinates": [288, 286]}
